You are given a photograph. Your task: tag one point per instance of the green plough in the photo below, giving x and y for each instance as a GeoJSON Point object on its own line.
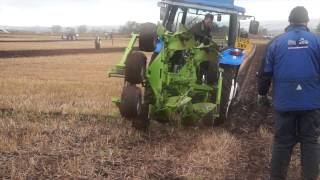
{"type": "Point", "coordinates": [185, 82]}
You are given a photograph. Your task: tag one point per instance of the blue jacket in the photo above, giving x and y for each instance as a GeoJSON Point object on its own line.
{"type": "Point", "coordinates": [293, 60]}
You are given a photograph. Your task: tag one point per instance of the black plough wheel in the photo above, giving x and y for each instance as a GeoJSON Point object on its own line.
{"type": "Point", "coordinates": [142, 121]}
{"type": "Point", "coordinates": [229, 88]}
{"type": "Point", "coordinates": [135, 68]}
{"type": "Point", "coordinates": [131, 100]}
{"type": "Point", "coordinates": [148, 37]}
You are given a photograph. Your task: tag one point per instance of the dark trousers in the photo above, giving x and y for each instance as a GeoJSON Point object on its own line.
{"type": "Point", "coordinates": [291, 128]}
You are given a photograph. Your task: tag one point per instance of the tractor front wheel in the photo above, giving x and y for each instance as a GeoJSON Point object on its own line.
{"type": "Point", "coordinates": [135, 68]}
{"type": "Point", "coordinates": [131, 100]}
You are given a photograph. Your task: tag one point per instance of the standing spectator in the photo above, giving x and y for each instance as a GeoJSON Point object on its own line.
{"type": "Point", "coordinates": [292, 64]}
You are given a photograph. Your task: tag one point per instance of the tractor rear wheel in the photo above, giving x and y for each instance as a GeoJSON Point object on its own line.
{"type": "Point", "coordinates": [148, 37]}
{"type": "Point", "coordinates": [213, 72]}
{"type": "Point", "coordinates": [135, 68]}
{"type": "Point", "coordinates": [229, 88]}
{"type": "Point", "coordinates": [131, 100]}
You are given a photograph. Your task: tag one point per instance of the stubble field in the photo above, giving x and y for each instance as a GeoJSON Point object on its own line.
{"type": "Point", "coordinates": [57, 122]}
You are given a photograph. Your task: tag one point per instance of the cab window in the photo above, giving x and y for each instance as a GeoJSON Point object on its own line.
{"type": "Point", "coordinates": [177, 20]}
{"type": "Point", "coordinates": [220, 24]}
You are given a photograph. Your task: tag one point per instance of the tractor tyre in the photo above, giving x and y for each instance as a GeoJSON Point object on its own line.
{"type": "Point", "coordinates": [148, 37]}
{"type": "Point", "coordinates": [135, 68]}
{"type": "Point", "coordinates": [213, 74]}
{"type": "Point", "coordinates": [229, 85]}
{"type": "Point", "coordinates": [131, 100]}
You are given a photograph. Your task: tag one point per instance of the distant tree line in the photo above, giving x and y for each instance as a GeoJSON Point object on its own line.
{"type": "Point", "coordinates": [127, 28]}
{"type": "Point", "coordinates": [134, 27]}
{"type": "Point", "coordinates": [56, 29]}
{"type": "Point", "coordinates": [130, 27]}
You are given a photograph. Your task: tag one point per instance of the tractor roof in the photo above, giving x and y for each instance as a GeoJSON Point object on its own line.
{"type": "Point", "coordinates": [221, 6]}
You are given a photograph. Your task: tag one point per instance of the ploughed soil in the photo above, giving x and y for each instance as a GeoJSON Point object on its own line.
{"type": "Point", "coordinates": [41, 41]}
{"type": "Point", "coordinates": [246, 121]}
{"type": "Point", "coordinates": [56, 52]}
{"type": "Point", "coordinates": [253, 125]}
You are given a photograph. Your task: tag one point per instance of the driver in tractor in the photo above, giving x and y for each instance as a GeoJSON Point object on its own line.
{"type": "Point", "coordinates": [203, 30]}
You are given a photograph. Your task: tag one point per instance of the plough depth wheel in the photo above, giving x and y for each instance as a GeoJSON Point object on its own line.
{"type": "Point", "coordinates": [131, 99]}
{"type": "Point", "coordinates": [135, 68]}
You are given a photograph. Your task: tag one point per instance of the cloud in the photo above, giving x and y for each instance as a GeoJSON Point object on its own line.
{"type": "Point", "coordinates": [42, 3]}
{"type": "Point", "coordinates": [117, 12]}
{"type": "Point", "coordinates": [277, 9]}
{"type": "Point", "coordinates": [76, 12]}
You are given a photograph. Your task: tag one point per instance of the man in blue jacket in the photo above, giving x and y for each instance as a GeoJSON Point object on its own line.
{"type": "Point", "coordinates": [292, 63]}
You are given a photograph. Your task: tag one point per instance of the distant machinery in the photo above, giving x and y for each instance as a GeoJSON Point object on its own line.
{"type": "Point", "coordinates": [70, 35]}
{"type": "Point", "coordinates": [4, 31]}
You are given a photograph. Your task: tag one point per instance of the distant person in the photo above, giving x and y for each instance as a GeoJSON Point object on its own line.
{"type": "Point", "coordinates": [292, 63]}
{"type": "Point", "coordinates": [203, 30]}
{"type": "Point", "coordinates": [97, 42]}
{"type": "Point", "coordinates": [111, 37]}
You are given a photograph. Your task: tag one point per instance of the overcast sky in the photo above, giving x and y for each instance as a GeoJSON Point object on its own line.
{"type": "Point", "coordinates": [117, 12]}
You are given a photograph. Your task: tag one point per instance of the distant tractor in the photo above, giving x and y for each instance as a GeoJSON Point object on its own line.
{"type": "Point", "coordinates": [185, 82]}
{"type": "Point", "coordinates": [70, 35]}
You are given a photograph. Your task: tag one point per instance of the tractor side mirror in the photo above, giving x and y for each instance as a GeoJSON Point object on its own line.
{"type": "Point", "coordinates": [254, 27]}
{"type": "Point", "coordinates": [163, 11]}
{"type": "Point", "coordinates": [219, 18]}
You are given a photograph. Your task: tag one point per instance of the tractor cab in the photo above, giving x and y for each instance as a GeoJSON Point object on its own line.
{"type": "Point", "coordinates": [227, 17]}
